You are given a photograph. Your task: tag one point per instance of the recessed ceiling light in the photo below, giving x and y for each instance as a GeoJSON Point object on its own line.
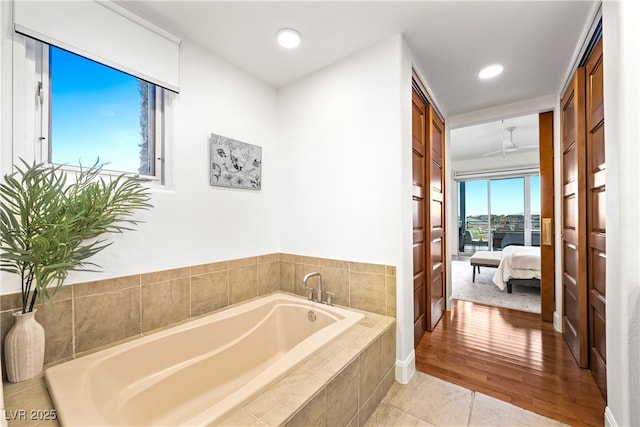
{"type": "Point", "coordinates": [289, 38]}
{"type": "Point", "coordinates": [490, 71]}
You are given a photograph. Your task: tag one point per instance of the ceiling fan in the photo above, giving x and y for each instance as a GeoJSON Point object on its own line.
{"type": "Point", "coordinates": [508, 146]}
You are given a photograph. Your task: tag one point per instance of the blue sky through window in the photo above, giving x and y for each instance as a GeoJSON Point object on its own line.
{"type": "Point", "coordinates": [95, 112]}
{"type": "Point", "coordinates": [506, 198]}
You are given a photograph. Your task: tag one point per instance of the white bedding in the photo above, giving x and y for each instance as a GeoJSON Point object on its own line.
{"type": "Point", "coordinates": [518, 262]}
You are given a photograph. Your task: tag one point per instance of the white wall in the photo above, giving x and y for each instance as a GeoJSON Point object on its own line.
{"type": "Point", "coordinates": [193, 222]}
{"type": "Point", "coordinates": [346, 175]}
{"type": "Point", "coordinates": [621, 48]}
{"type": "Point", "coordinates": [340, 159]}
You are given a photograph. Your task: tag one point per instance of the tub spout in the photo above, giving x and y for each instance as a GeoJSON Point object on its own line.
{"type": "Point", "coordinates": [310, 275]}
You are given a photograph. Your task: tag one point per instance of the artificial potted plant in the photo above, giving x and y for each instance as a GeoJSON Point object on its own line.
{"type": "Point", "coordinates": [48, 227]}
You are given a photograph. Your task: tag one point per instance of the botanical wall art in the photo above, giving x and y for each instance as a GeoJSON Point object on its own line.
{"type": "Point", "coordinates": [235, 164]}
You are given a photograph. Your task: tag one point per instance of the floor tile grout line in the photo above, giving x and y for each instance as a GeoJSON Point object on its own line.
{"type": "Point", "coordinates": [473, 401]}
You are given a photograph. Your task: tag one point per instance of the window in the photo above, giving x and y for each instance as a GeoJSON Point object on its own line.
{"type": "Point", "coordinates": [93, 113]}
{"type": "Point", "coordinates": [496, 212]}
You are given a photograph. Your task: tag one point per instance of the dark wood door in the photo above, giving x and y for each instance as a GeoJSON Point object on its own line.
{"type": "Point", "coordinates": [419, 157]}
{"type": "Point", "coordinates": [596, 218]}
{"type": "Point", "coordinates": [435, 223]}
{"type": "Point", "coordinates": [574, 260]}
{"type": "Point", "coordinates": [547, 243]}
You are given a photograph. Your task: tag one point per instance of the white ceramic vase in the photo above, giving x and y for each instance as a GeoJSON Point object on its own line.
{"type": "Point", "coordinates": [24, 347]}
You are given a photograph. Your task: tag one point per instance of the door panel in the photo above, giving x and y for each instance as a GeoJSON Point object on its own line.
{"type": "Point", "coordinates": [547, 247]}
{"type": "Point", "coordinates": [574, 245]}
{"type": "Point", "coordinates": [596, 218]}
{"type": "Point", "coordinates": [419, 147]}
{"type": "Point", "coordinates": [435, 228]}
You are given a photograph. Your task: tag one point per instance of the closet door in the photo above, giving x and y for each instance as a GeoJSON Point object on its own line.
{"type": "Point", "coordinates": [419, 200]}
{"type": "Point", "coordinates": [596, 218]}
{"type": "Point", "coordinates": [435, 229]}
{"type": "Point", "coordinates": [574, 233]}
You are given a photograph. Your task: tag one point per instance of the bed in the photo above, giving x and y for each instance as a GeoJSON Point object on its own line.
{"type": "Point", "coordinates": [518, 265]}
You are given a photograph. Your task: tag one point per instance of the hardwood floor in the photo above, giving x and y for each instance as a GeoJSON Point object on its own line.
{"type": "Point", "coordinates": [513, 356]}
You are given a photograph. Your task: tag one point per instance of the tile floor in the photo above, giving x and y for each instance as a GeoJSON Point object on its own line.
{"type": "Point", "coordinates": [429, 401]}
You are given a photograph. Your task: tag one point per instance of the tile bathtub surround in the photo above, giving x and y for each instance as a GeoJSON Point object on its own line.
{"type": "Point", "coordinates": [333, 387]}
{"type": "Point", "coordinates": [90, 315]}
{"type": "Point", "coordinates": [368, 287]}
{"type": "Point", "coordinates": [324, 390]}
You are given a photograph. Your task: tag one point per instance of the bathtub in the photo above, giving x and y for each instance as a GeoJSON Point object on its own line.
{"type": "Point", "coordinates": [197, 372]}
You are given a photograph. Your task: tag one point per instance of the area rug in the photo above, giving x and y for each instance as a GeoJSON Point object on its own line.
{"type": "Point", "coordinates": [523, 298]}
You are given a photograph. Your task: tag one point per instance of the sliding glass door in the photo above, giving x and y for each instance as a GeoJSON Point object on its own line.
{"type": "Point", "coordinates": [507, 212]}
{"type": "Point", "coordinates": [495, 213]}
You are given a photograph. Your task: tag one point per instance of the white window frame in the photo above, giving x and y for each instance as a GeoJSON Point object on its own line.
{"type": "Point", "coordinates": [32, 131]}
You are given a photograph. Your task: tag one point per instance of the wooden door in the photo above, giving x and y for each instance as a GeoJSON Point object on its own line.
{"type": "Point", "coordinates": [547, 241]}
{"type": "Point", "coordinates": [420, 187]}
{"type": "Point", "coordinates": [574, 260]}
{"type": "Point", "coordinates": [435, 223]}
{"type": "Point", "coordinates": [596, 218]}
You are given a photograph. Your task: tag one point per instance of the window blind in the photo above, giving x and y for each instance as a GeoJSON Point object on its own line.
{"type": "Point", "coordinates": [106, 33]}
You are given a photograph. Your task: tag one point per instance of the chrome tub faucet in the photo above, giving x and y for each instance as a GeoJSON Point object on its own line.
{"type": "Point", "coordinates": [304, 283]}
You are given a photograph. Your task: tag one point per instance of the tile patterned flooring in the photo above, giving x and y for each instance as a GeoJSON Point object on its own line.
{"type": "Point", "coordinates": [429, 401]}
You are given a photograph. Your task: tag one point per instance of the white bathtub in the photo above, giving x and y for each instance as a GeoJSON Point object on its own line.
{"type": "Point", "coordinates": [197, 372]}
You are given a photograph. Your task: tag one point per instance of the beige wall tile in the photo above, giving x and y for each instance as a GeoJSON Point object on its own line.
{"type": "Point", "coordinates": [165, 275]}
{"type": "Point", "coordinates": [63, 293]}
{"type": "Point", "coordinates": [388, 381]}
{"type": "Point", "coordinates": [361, 267]}
{"type": "Point", "coordinates": [287, 273]}
{"type": "Point", "coordinates": [108, 285]}
{"type": "Point", "coordinates": [57, 319]}
{"type": "Point", "coordinates": [10, 301]}
{"type": "Point", "coordinates": [368, 292]}
{"type": "Point", "coordinates": [106, 318]}
{"type": "Point", "coordinates": [209, 292]}
{"type": "Point", "coordinates": [164, 303]}
{"type": "Point", "coordinates": [313, 413]}
{"type": "Point", "coordinates": [390, 285]}
{"type": "Point", "coordinates": [243, 284]}
{"type": "Point", "coordinates": [268, 277]}
{"type": "Point", "coordinates": [268, 258]}
{"type": "Point", "coordinates": [342, 395]}
{"type": "Point", "coordinates": [369, 406]}
{"type": "Point", "coordinates": [243, 262]}
{"type": "Point", "coordinates": [370, 369]}
{"type": "Point", "coordinates": [334, 263]}
{"type": "Point", "coordinates": [389, 348]}
{"type": "Point", "coordinates": [287, 257]}
{"type": "Point", "coordinates": [390, 270]}
{"type": "Point", "coordinates": [302, 259]}
{"type": "Point", "coordinates": [197, 270]}
{"type": "Point", "coordinates": [6, 322]}
{"type": "Point", "coordinates": [335, 280]}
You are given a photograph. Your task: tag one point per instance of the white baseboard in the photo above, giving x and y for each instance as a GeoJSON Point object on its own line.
{"type": "Point", "coordinates": [609, 421]}
{"type": "Point", "coordinates": [405, 369]}
{"type": "Point", "coordinates": [557, 321]}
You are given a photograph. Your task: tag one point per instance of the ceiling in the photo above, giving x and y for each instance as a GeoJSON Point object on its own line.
{"type": "Point", "coordinates": [450, 40]}
{"type": "Point", "coordinates": [475, 142]}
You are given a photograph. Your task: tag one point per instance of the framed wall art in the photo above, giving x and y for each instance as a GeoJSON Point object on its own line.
{"type": "Point", "coordinates": [234, 163]}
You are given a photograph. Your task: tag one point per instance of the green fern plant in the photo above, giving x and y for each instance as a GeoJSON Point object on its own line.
{"type": "Point", "coordinates": [50, 226]}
